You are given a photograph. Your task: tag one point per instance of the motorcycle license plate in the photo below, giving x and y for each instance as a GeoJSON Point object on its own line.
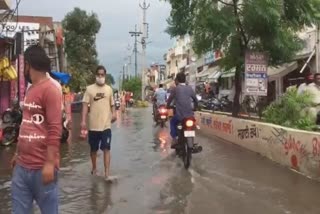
{"type": "Point", "coordinates": [189, 133]}
{"type": "Point", "coordinates": [163, 117]}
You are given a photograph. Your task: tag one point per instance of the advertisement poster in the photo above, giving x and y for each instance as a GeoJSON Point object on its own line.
{"type": "Point", "coordinates": [22, 84]}
{"type": "Point", "coordinates": [256, 74]}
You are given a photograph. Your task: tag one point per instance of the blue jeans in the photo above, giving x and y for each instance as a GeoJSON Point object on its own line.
{"type": "Point", "coordinates": [174, 122]}
{"type": "Point", "coordinates": [27, 186]}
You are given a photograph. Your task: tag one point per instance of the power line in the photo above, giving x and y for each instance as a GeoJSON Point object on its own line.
{"type": "Point", "coordinates": [9, 16]}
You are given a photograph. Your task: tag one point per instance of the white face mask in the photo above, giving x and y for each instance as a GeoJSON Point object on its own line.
{"type": "Point", "coordinates": [100, 80]}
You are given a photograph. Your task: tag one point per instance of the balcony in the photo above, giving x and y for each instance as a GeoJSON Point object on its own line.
{"type": "Point", "coordinates": [182, 63]}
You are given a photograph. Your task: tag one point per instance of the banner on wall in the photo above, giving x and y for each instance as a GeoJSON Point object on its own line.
{"type": "Point", "coordinates": [256, 74]}
{"type": "Point", "coordinates": [22, 82]}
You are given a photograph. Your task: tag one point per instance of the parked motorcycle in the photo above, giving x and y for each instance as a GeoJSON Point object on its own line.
{"type": "Point", "coordinates": [12, 114]}
{"type": "Point", "coordinates": [226, 104]}
{"type": "Point", "coordinates": [211, 104]}
{"type": "Point", "coordinates": [12, 119]}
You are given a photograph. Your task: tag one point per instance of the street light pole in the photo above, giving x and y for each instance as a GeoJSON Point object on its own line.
{"type": "Point", "coordinates": [135, 34]}
{"type": "Point", "coordinates": [317, 49]}
{"type": "Point", "coordinates": [144, 8]}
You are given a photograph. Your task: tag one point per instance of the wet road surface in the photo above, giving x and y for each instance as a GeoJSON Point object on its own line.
{"type": "Point", "coordinates": [223, 179]}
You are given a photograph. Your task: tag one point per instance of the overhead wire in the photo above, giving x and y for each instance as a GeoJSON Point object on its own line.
{"type": "Point", "coordinates": [9, 17]}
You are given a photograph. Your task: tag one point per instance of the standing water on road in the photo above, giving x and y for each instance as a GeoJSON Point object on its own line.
{"type": "Point", "coordinates": [223, 179]}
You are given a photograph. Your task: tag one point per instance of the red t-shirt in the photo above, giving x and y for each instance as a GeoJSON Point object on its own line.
{"type": "Point", "coordinates": [128, 96]}
{"type": "Point", "coordinates": [41, 125]}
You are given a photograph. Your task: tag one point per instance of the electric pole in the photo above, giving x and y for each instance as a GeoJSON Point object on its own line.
{"type": "Point", "coordinates": [136, 34]}
{"type": "Point", "coordinates": [144, 8]}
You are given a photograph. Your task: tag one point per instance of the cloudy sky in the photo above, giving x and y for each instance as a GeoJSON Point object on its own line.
{"type": "Point", "coordinates": [117, 18]}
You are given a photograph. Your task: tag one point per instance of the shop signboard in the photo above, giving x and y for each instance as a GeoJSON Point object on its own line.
{"type": "Point", "coordinates": [212, 56]}
{"type": "Point", "coordinates": [30, 35]}
{"type": "Point", "coordinates": [256, 76]}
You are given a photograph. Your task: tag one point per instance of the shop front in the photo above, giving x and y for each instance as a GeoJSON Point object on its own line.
{"type": "Point", "coordinates": [8, 74]}
{"type": "Point", "coordinates": [279, 76]}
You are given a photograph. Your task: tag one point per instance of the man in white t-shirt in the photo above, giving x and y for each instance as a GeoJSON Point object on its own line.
{"type": "Point", "coordinates": [314, 90]}
{"type": "Point", "coordinates": [308, 80]}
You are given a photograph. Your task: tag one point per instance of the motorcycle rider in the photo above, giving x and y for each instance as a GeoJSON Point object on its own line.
{"type": "Point", "coordinates": [159, 99]}
{"type": "Point", "coordinates": [183, 95]}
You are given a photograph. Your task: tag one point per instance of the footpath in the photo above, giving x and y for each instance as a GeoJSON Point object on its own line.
{"type": "Point", "coordinates": [295, 149]}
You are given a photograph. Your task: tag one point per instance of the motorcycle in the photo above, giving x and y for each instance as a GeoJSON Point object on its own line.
{"type": "Point", "coordinates": [12, 114]}
{"type": "Point", "coordinates": [226, 104]}
{"type": "Point", "coordinates": [12, 119]}
{"type": "Point", "coordinates": [117, 104]}
{"type": "Point", "coordinates": [162, 116]}
{"type": "Point", "coordinates": [186, 145]}
{"type": "Point", "coordinates": [211, 104]}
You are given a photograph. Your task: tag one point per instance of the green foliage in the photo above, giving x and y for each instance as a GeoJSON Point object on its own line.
{"type": "Point", "coordinates": [110, 79]}
{"type": "Point", "coordinates": [141, 104]}
{"type": "Point", "coordinates": [133, 85]}
{"type": "Point", "coordinates": [80, 29]}
{"type": "Point", "coordinates": [235, 26]}
{"type": "Point", "coordinates": [290, 111]}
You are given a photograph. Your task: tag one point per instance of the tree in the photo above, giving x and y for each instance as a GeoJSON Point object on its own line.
{"type": "Point", "coordinates": [239, 25]}
{"type": "Point", "coordinates": [133, 85]}
{"type": "Point", "coordinates": [80, 30]}
{"type": "Point", "coordinates": [110, 79]}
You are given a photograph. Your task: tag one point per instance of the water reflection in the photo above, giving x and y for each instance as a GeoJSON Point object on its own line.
{"type": "Point", "coordinates": [161, 141]}
{"type": "Point", "coordinates": [100, 196]}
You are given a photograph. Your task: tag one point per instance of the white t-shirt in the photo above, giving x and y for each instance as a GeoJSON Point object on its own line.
{"type": "Point", "coordinates": [314, 89]}
{"type": "Point", "coordinates": [302, 88]}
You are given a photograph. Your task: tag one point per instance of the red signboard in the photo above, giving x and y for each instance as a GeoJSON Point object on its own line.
{"type": "Point", "coordinates": [22, 83]}
{"type": "Point", "coordinates": [13, 91]}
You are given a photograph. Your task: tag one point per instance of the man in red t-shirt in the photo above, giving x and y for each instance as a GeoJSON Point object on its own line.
{"type": "Point", "coordinates": [128, 96]}
{"type": "Point", "coordinates": [37, 157]}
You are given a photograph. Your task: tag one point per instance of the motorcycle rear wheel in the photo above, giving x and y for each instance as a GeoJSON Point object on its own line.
{"type": "Point", "coordinates": [187, 154]}
{"type": "Point", "coordinates": [6, 117]}
{"type": "Point", "coordinates": [9, 136]}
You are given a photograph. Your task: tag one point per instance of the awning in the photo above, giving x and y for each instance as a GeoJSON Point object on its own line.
{"type": "Point", "coordinates": [229, 73]}
{"type": "Point", "coordinates": [215, 75]}
{"type": "Point", "coordinates": [208, 72]}
{"type": "Point", "coordinates": [280, 71]}
{"type": "Point", "coordinates": [63, 77]}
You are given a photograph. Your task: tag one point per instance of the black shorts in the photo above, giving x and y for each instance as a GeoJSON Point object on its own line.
{"type": "Point", "coordinates": [100, 140]}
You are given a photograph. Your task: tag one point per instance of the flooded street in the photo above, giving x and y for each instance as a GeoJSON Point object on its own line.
{"type": "Point", "coordinates": [223, 179]}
